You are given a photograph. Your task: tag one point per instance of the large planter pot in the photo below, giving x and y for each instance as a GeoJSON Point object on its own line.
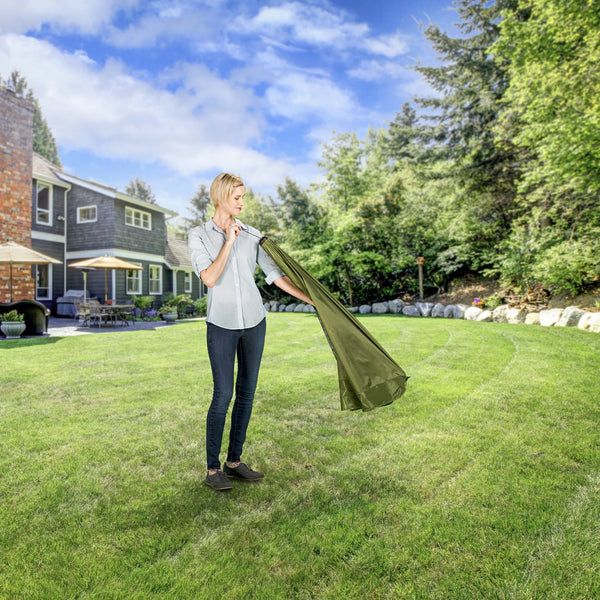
{"type": "Point", "coordinates": [12, 329]}
{"type": "Point", "coordinates": [170, 317]}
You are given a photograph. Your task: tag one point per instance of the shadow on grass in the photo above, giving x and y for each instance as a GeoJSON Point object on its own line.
{"type": "Point", "coordinates": [28, 341]}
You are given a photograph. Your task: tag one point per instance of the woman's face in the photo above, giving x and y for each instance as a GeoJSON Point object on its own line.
{"type": "Point", "coordinates": [234, 204]}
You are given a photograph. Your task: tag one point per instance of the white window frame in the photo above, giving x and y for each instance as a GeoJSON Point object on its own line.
{"type": "Point", "coordinates": [154, 280]}
{"type": "Point", "coordinates": [80, 209]}
{"type": "Point", "coordinates": [187, 282]}
{"type": "Point", "coordinates": [138, 218]}
{"type": "Point", "coordinates": [48, 295]}
{"type": "Point", "coordinates": [48, 212]}
{"type": "Point", "coordinates": [138, 276]}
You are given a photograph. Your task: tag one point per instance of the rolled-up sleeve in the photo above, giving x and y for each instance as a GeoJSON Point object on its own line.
{"type": "Point", "coordinates": [198, 253]}
{"type": "Point", "coordinates": [267, 264]}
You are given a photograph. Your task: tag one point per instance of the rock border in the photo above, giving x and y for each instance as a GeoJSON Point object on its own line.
{"type": "Point", "coordinates": [552, 317]}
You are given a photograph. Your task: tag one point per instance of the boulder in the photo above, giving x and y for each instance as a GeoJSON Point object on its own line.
{"type": "Point", "coordinates": [274, 305]}
{"type": "Point", "coordinates": [281, 308]}
{"type": "Point", "coordinates": [532, 318]}
{"type": "Point", "coordinates": [353, 309]}
{"type": "Point", "coordinates": [424, 308]}
{"type": "Point", "coordinates": [364, 309]}
{"type": "Point", "coordinates": [380, 308]}
{"type": "Point", "coordinates": [309, 308]}
{"type": "Point", "coordinates": [411, 311]}
{"type": "Point", "coordinates": [516, 316]}
{"type": "Point", "coordinates": [590, 322]}
{"type": "Point", "coordinates": [595, 323]}
{"type": "Point", "coordinates": [267, 306]}
{"type": "Point", "coordinates": [449, 311]}
{"type": "Point", "coordinates": [396, 306]}
{"type": "Point", "coordinates": [438, 310]}
{"type": "Point", "coordinates": [472, 313]}
{"type": "Point", "coordinates": [459, 311]}
{"type": "Point", "coordinates": [550, 317]}
{"type": "Point", "coordinates": [290, 307]}
{"type": "Point", "coordinates": [485, 317]}
{"type": "Point", "coordinates": [570, 317]}
{"type": "Point", "coordinates": [499, 314]}
{"type": "Point", "coordinates": [299, 308]}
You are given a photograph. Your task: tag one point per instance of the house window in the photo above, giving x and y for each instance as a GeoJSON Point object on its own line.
{"type": "Point", "coordinates": [86, 214]}
{"type": "Point", "coordinates": [155, 279]}
{"type": "Point", "coordinates": [43, 277]}
{"type": "Point", "coordinates": [187, 282]}
{"type": "Point", "coordinates": [43, 208]}
{"type": "Point", "coordinates": [138, 218]}
{"type": "Point", "coordinates": [134, 281]}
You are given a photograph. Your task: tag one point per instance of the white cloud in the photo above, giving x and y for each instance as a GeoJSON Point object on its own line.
{"type": "Point", "coordinates": [389, 46]}
{"type": "Point", "coordinates": [306, 23]}
{"type": "Point", "coordinates": [89, 16]}
{"type": "Point", "coordinates": [373, 70]}
{"type": "Point", "coordinates": [296, 22]}
{"type": "Point", "coordinates": [108, 112]}
{"type": "Point", "coordinates": [180, 21]}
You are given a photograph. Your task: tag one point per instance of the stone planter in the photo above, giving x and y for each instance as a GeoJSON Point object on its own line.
{"type": "Point", "coordinates": [170, 317]}
{"type": "Point", "coordinates": [12, 329]}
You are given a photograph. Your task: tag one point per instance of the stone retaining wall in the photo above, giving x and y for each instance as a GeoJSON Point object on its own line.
{"type": "Point", "coordinates": [554, 317]}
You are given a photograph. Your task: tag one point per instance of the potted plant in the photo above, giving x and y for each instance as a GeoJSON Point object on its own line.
{"type": "Point", "coordinates": [168, 313]}
{"type": "Point", "coordinates": [12, 325]}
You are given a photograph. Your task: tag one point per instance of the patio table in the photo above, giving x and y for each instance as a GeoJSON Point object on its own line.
{"type": "Point", "coordinates": [117, 313]}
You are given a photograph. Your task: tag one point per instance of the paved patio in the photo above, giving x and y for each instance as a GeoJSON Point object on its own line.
{"type": "Point", "coordinates": [66, 326]}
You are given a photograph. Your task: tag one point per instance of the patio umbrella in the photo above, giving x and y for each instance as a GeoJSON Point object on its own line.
{"type": "Point", "coordinates": [106, 262]}
{"type": "Point", "coordinates": [12, 253]}
{"type": "Point", "coordinates": [368, 376]}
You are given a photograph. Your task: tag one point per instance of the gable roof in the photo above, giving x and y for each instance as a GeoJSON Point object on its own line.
{"type": "Point", "coordinates": [177, 255]}
{"type": "Point", "coordinates": [45, 170]}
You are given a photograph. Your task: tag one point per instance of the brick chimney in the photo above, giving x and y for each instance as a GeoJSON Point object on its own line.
{"type": "Point", "coordinates": [16, 156]}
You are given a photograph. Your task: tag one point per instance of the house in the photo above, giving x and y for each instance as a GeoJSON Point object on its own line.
{"type": "Point", "coordinates": [74, 219]}
{"type": "Point", "coordinates": [71, 219]}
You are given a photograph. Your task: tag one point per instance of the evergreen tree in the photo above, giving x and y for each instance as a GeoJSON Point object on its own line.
{"type": "Point", "coordinates": [43, 140]}
{"type": "Point", "coordinates": [471, 87]}
{"type": "Point", "coordinates": [301, 217]}
{"type": "Point", "coordinates": [140, 189]}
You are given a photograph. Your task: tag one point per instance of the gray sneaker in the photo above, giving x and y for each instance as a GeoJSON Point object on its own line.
{"type": "Point", "coordinates": [243, 471]}
{"type": "Point", "coordinates": [218, 481]}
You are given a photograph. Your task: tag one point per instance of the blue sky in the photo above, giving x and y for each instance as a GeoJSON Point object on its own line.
{"type": "Point", "coordinates": [176, 91]}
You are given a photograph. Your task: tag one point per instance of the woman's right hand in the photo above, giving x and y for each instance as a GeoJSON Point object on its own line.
{"type": "Point", "coordinates": [232, 232]}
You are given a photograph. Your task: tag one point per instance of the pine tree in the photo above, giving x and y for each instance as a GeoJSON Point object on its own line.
{"type": "Point", "coordinates": [43, 140]}
{"type": "Point", "coordinates": [471, 87]}
{"type": "Point", "coordinates": [199, 207]}
{"type": "Point", "coordinates": [140, 189]}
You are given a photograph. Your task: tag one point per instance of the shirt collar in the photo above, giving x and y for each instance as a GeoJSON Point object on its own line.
{"type": "Point", "coordinates": [210, 224]}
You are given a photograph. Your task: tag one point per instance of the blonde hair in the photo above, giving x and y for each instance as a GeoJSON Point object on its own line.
{"type": "Point", "coordinates": [222, 187]}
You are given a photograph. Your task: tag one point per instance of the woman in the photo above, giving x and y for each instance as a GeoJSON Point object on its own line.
{"type": "Point", "coordinates": [224, 253]}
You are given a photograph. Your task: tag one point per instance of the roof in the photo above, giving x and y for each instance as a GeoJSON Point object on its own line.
{"type": "Point", "coordinates": [177, 254]}
{"type": "Point", "coordinates": [44, 169]}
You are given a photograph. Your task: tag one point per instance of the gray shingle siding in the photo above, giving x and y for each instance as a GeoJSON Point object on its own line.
{"type": "Point", "coordinates": [128, 237]}
{"type": "Point", "coordinates": [88, 236]}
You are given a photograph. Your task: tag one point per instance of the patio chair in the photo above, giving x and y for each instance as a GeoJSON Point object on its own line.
{"type": "Point", "coordinates": [96, 315]}
{"type": "Point", "coordinates": [82, 311]}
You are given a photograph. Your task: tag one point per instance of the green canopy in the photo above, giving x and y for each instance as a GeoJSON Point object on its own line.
{"type": "Point", "coordinates": [368, 375]}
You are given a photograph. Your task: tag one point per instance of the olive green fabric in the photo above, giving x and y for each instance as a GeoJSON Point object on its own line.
{"type": "Point", "coordinates": [368, 376]}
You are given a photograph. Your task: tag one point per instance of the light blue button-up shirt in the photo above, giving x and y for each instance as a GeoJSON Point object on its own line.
{"type": "Point", "coordinates": [234, 302]}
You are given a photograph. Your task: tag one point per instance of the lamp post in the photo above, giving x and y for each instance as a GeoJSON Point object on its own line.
{"type": "Point", "coordinates": [420, 262]}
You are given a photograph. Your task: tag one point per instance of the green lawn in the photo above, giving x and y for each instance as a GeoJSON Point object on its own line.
{"type": "Point", "coordinates": [481, 482]}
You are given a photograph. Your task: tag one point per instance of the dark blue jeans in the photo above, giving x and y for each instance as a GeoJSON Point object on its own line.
{"type": "Point", "coordinates": [223, 346]}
